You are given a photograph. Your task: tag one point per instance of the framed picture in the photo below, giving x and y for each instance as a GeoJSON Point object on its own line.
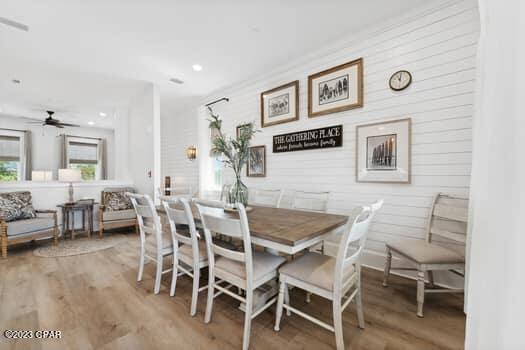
{"type": "Point", "coordinates": [383, 151]}
{"type": "Point", "coordinates": [336, 89]}
{"type": "Point", "coordinates": [239, 129]}
{"type": "Point", "coordinates": [280, 105]}
{"type": "Point", "coordinates": [256, 162]}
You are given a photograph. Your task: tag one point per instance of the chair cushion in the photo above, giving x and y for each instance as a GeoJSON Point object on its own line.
{"type": "Point", "coordinates": [315, 269]}
{"type": "Point", "coordinates": [116, 201]}
{"type": "Point", "coordinates": [19, 227]}
{"type": "Point", "coordinates": [151, 242]}
{"type": "Point", "coordinates": [263, 263]}
{"type": "Point", "coordinates": [186, 253]}
{"type": "Point", "coordinates": [423, 252]}
{"type": "Point", "coordinates": [16, 206]}
{"type": "Point", "coordinates": [119, 215]}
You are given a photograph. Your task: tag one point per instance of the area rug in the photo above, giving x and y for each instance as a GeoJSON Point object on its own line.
{"type": "Point", "coordinates": [78, 246]}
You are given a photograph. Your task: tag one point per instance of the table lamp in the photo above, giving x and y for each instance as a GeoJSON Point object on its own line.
{"type": "Point", "coordinates": [69, 175]}
{"type": "Point", "coordinates": [41, 175]}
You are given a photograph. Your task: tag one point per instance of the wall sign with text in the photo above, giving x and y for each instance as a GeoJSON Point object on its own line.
{"type": "Point", "coordinates": [328, 137]}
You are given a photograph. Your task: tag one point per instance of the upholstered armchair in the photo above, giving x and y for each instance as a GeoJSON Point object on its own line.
{"type": "Point", "coordinates": [20, 222]}
{"type": "Point", "coordinates": [116, 210]}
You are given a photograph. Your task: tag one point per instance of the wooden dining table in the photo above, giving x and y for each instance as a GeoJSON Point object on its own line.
{"type": "Point", "coordinates": [283, 230]}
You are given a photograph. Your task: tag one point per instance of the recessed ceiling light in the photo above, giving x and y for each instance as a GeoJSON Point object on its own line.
{"type": "Point", "coordinates": [197, 67]}
{"type": "Point", "coordinates": [15, 81]}
{"type": "Point", "coordinates": [176, 81]}
{"type": "Point", "coordinates": [91, 123]}
{"type": "Point", "coordinates": [102, 114]}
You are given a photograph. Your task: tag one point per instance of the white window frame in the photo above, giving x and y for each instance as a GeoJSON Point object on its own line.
{"type": "Point", "coordinates": [98, 169]}
{"type": "Point", "coordinates": [21, 157]}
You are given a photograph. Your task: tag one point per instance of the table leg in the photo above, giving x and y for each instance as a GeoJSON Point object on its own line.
{"type": "Point", "coordinates": [73, 224]}
{"type": "Point", "coordinates": [64, 227]}
{"type": "Point", "coordinates": [89, 219]}
{"type": "Point", "coordinates": [83, 220]}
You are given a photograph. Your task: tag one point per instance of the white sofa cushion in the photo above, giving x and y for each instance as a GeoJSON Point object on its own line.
{"type": "Point", "coordinates": [19, 227]}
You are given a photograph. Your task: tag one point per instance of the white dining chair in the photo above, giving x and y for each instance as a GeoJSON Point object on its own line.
{"type": "Point", "coordinates": [447, 221]}
{"type": "Point", "coordinates": [189, 253]}
{"type": "Point", "coordinates": [245, 269]}
{"type": "Point", "coordinates": [310, 201]}
{"type": "Point", "coordinates": [265, 198]}
{"type": "Point", "coordinates": [152, 239]}
{"type": "Point", "coordinates": [336, 279]}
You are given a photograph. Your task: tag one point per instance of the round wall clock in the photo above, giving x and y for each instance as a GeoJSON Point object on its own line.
{"type": "Point", "coordinates": [400, 80]}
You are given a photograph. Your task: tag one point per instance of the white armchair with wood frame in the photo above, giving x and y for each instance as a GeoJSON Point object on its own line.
{"type": "Point", "coordinates": [443, 249]}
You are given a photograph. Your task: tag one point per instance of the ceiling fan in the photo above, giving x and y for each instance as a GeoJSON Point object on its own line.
{"type": "Point", "coordinates": [50, 121]}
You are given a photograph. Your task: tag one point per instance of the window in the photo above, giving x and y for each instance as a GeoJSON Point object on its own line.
{"type": "Point", "coordinates": [217, 173]}
{"type": "Point", "coordinates": [10, 157]}
{"type": "Point", "coordinates": [83, 155]}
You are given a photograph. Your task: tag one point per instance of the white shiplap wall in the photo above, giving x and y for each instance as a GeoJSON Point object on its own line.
{"type": "Point", "coordinates": [437, 45]}
{"type": "Point", "coordinates": [178, 131]}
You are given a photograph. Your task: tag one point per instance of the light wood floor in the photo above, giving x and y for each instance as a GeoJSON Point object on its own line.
{"type": "Point", "coordinates": [95, 301]}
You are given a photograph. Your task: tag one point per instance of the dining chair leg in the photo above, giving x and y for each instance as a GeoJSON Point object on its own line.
{"type": "Point", "coordinates": [279, 310]}
{"type": "Point", "coordinates": [388, 264]}
{"type": "Point", "coordinates": [359, 306]}
{"type": "Point", "coordinates": [141, 264]}
{"type": "Point", "coordinates": [247, 319]}
{"type": "Point", "coordinates": [338, 323]}
{"type": "Point", "coordinates": [175, 274]}
{"type": "Point", "coordinates": [420, 292]}
{"type": "Point", "coordinates": [287, 299]}
{"type": "Point", "coordinates": [195, 293]}
{"type": "Point", "coordinates": [158, 275]}
{"type": "Point", "coordinates": [211, 292]}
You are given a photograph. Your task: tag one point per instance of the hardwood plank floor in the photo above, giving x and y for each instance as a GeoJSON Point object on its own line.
{"type": "Point", "coordinates": [95, 301]}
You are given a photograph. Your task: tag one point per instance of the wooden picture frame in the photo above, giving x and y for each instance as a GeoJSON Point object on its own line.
{"type": "Point", "coordinates": [342, 89]}
{"type": "Point", "coordinates": [239, 128]}
{"type": "Point", "coordinates": [280, 105]}
{"type": "Point", "coordinates": [384, 152]}
{"type": "Point", "coordinates": [251, 170]}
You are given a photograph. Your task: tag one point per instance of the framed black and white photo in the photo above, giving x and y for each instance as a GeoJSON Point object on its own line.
{"type": "Point", "coordinates": [280, 105]}
{"type": "Point", "coordinates": [256, 166]}
{"type": "Point", "coordinates": [383, 151]}
{"type": "Point", "coordinates": [336, 89]}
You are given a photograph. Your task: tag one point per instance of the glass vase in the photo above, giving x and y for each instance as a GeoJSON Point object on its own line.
{"type": "Point", "coordinates": [238, 192]}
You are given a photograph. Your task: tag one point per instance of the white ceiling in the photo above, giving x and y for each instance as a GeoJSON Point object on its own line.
{"type": "Point", "coordinates": [83, 57]}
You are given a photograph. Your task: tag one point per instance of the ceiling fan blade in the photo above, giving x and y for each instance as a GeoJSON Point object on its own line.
{"type": "Point", "coordinates": [14, 24]}
{"type": "Point", "coordinates": [58, 126]}
{"type": "Point", "coordinates": [67, 124]}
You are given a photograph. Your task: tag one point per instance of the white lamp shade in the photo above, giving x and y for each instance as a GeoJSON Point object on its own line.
{"type": "Point", "coordinates": [41, 175]}
{"type": "Point", "coordinates": [69, 175]}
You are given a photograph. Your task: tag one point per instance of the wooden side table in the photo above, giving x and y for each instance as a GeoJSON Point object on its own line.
{"type": "Point", "coordinates": [68, 217]}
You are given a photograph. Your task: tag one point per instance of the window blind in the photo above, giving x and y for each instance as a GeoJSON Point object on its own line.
{"type": "Point", "coordinates": [9, 148]}
{"type": "Point", "coordinates": [82, 153]}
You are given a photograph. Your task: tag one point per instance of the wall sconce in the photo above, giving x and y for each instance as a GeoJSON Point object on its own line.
{"type": "Point", "coordinates": [191, 153]}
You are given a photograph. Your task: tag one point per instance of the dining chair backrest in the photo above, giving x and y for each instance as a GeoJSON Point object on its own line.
{"type": "Point", "coordinates": [147, 217]}
{"type": "Point", "coordinates": [267, 198]}
{"type": "Point", "coordinates": [356, 231]}
{"type": "Point", "coordinates": [225, 192]}
{"type": "Point", "coordinates": [216, 220]}
{"type": "Point", "coordinates": [178, 212]}
{"type": "Point", "coordinates": [448, 218]}
{"type": "Point", "coordinates": [311, 201]}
